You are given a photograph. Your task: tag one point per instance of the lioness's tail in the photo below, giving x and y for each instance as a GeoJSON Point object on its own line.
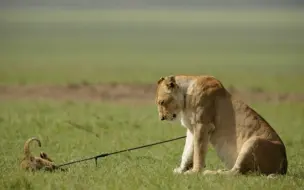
{"type": "Point", "coordinates": [284, 163]}
{"type": "Point", "coordinates": [284, 166]}
{"type": "Point", "coordinates": [27, 152]}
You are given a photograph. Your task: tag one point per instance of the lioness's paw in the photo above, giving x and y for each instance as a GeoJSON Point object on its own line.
{"type": "Point", "coordinates": [209, 172]}
{"type": "Point", "coordinates": [178, 170]}
{"type": "Point", "coordinates": [192, 171]}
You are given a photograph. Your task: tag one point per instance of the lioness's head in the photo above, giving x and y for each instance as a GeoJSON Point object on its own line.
{"type": "Point", "coordinates": [168, 98]}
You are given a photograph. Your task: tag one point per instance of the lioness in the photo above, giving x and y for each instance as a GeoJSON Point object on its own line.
{"type": "Point", "coordinates": [242, 138]}
{"type": "Point", "coordinates": [32, 163]}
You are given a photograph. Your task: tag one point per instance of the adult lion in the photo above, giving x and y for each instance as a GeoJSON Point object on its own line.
{"type": "Point", "coordinates": [243, 140]}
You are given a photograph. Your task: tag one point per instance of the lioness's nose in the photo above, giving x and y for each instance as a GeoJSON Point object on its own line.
{"type": "Point", "coordinates": [162, 118]}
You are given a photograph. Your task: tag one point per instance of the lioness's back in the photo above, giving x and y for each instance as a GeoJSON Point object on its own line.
{"type": "Point", "coordinates": [250, 123]}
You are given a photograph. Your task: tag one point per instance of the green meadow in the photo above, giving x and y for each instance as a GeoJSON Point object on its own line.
{"type": "Point", "coordinates": [246, 49]}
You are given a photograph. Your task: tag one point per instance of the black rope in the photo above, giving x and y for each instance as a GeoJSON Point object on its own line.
{"type": "Point", "coordinates": [117, 152]}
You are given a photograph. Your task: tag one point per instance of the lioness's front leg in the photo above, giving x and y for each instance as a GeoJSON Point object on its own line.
{"type": "Point", "coordinates": [200, 145]}
{"type": "Point", "coordinates": [187, 157]}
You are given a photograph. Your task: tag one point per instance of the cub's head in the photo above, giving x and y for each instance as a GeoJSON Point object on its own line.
{"type": "Point", "coordinates": [168, 99]}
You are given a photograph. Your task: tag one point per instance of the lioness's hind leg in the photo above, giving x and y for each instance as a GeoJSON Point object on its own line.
{"type": "Point", "coordinates": [242, 161]}
{"type": "Point", "coordinates": [210, 172]}
{"type": "Point", "coordinates": [258, 155]}
{"type": "Point", "coordinates": [233, 171]}
{"type": "Point", "coordinates": [262, 156]}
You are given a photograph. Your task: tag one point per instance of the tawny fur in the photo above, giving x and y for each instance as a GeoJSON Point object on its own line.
{"type": "Point", "coordinates": [33, 163]}
{"type": "Point", "coordinates": [242, 138]}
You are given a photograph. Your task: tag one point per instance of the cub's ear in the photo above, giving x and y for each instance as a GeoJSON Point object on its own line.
{"type": "Point", "coordinates": [171, 82]}
{"type": "Point", "coordinates": [160, 80]}
{"type": "Point", "coordinates": [43, 155]}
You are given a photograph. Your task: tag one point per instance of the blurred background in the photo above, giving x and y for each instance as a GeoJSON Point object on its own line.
{"type": "Point", "coordinates": [248, 43]}
{"type": "Point", "coordinates": [60, 53]}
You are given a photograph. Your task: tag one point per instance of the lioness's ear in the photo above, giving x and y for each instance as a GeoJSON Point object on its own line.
{"type": "Point", "coordinates": [171, 81]}
{"type": "Point", "coordinates": [171, 78]}
{"type": "Point", "coordinates": [160, 80]}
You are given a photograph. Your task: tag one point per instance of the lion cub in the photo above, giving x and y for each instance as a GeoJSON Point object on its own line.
{"type": "Point", "coordinates": [32, 163]}
{"type": "Point", "coordinates": [242, 138]}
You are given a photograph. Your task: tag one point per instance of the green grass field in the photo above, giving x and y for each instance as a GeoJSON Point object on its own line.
{"type": "Point", "coordinates": [247, 49]}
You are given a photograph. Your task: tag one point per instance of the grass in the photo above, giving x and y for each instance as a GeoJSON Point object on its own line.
{"type": "Point", "coordinates": [119, 127]}
{"type": "Point", "coordinates": [252, 48]}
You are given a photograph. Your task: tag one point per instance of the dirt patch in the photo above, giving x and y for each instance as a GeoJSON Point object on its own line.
{"type": "Point", "coordinates": [124, 92]}
{"type": "Point", "coordinates": [260, 95]}
{"type": "Point", "coordinates": [77, 92]}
